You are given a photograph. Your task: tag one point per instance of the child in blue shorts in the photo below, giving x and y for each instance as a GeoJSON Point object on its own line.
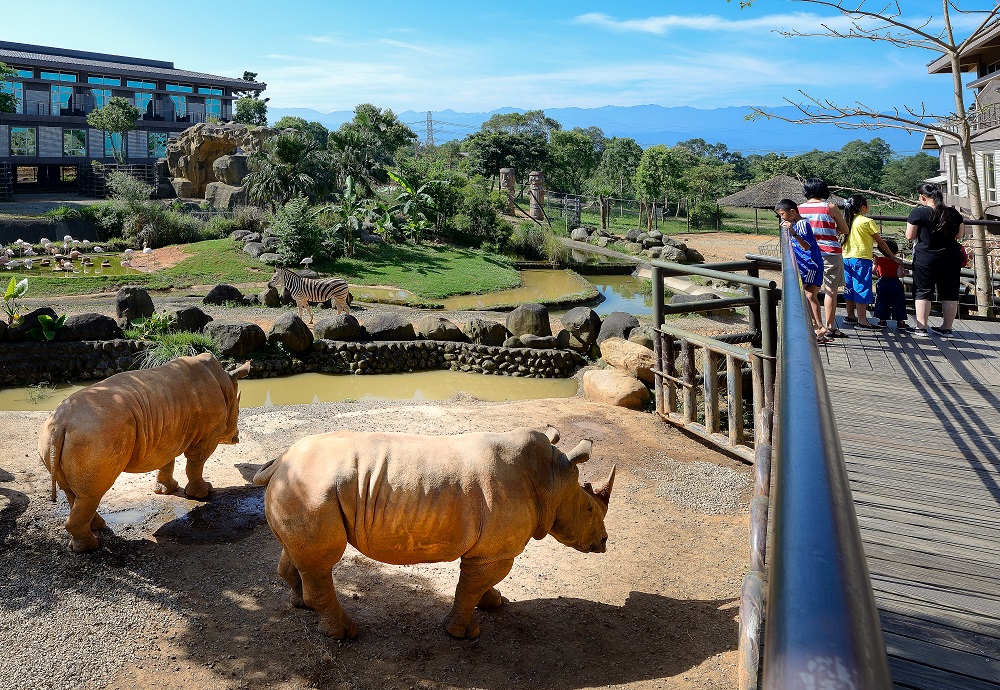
{"type": "Point", "coordinates": [808, 259]}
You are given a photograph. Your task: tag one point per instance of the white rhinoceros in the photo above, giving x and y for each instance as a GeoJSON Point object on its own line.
{"type": "Point", "coordinates": [404, 499]}
{"type": "Point", "coordinates": [138, 421]}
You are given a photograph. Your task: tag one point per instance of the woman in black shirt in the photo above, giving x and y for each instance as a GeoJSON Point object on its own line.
{"type": "Point", "coordinates": [937, 257]}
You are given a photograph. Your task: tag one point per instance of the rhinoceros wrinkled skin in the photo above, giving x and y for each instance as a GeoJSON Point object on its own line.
{"type": "Point", "coordinates": [405, 499]}
{"type": "Point", "coordinates": [138, 421]}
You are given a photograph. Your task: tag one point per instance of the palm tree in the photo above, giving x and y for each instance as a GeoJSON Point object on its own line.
{"type": "Point", "coordinates": [287, 165]}
{"type": "Point", "coordinates": [414, 202]}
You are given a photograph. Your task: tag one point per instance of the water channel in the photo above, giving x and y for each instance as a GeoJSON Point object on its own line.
{"type": "Point", "coordinates": [307, 388]}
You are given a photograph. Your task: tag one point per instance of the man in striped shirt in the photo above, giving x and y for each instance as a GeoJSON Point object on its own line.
{"type": "Point", "coordinates": [828, 225]}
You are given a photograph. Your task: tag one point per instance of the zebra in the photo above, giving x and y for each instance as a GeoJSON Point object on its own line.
{"type": "Point", "coordinates": [306, 290]}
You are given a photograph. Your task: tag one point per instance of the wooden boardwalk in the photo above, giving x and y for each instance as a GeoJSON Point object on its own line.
{"type": "Point", "coordinates": [919, 420]}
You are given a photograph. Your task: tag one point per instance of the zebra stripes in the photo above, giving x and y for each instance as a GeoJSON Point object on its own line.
{"type": "Point", "coordinates": [306, 290]}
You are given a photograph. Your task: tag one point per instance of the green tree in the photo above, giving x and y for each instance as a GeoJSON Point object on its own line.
{"type": "Point", "coordinates": [251, 111]}
{"type": "Point", "coordinates": [572, 160]}
{"type": "Point", "coordinates": [289, 164]}
{"type": "Point", "coordinates": [8, 102]}
{"type": "Point", "coordinates": [859, 164]}
{"type": "Point", "coordinates": [617, 168]}
{"type": "Point", "coordinates": [316, 130]}
{"type": "Point", "coordinates": [117, 117]}
{"type": "Point", "coordinates": [659, 174]}
{"type": "Point", "coordinates": [901, 176]}
{"type": "Point", "coordinates": [415, 202]}
{"type": "Point", "coordinates": [531, 122]}
{"type": "Point", "coordinates": [298, 232]}
{"type": "Point", "coordinates": [366, 147]}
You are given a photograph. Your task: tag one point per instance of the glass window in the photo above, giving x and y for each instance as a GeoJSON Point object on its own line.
{"type": "Point", "coordinates": [142, 101]}
{"type": "Point", "coordinates": [107, 81]}
{"type": "Point", "coordinates": [157, 144]}
{"type": "Point", "coordinates": [953, 175]}
{"type": "Point", "coordinates": [101, 97]}
{"type": "Point", "coordinates": [60, 98]}
{"type": "Point", "coordinates": [213, 107]}
{"type": "Point", "coordinates": [22, 141]}
{"type": "Point", "coordinates": [74, 142]}
{"type": "Point", "coordinates": [27, 174]}
{"type": "Point", "coordinates": [132, 84]}
{"type": "Point", "coordinates": [210, 92]}
{"type": "Point", "coordinates": [24, 72]}
{"type": "Point", "coordinates": [180, 105]}
{"type": "Point", "coordinates": [58, 76]}
{"type": "Point", "coordinates": [68, 173]}
{"type": "Point", "coordinates": [17, 89]}
{"type": "Point", "coordinates": [989, 163]}
{"type": "Point", "coordinates": [183, 88]}
{"type": "Point", "coordinates": [112, 143]}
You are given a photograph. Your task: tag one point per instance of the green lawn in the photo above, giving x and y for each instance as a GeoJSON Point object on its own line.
{"type": "Point", "coordinates": [429, 271]}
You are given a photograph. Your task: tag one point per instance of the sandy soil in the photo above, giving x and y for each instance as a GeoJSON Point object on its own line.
{"type": "Point", "coordinates": [184, 594]}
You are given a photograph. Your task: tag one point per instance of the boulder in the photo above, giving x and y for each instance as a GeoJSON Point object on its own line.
{"type": "Point", "coordinates": [694, 256]}
{"type": "Point", "coordinates": [603, 241]}
{"type": "Point", "coordinates": [580, 235]}
{"type": "Point", "coordinates": [271, 244]}
{"type": "Point", "coordinates": [270, 258]}
{"type": "Point", "coordinates": [254, 237]}
{"type": "Point", "coordinates": [642, 336]}
{"type": "Point", "coordinates": [614, 387]}
{"type": "Point", "coordinates": [183, 188]}
{"type": "Point", "coordinates": [230, 169]}
{"type": "Point", "coordinates": [270, 297]}
{"type": "Point", "coordinates": [529, 319]}
{"type": "Point", "coordinates": [633, 235]}
{"type": "Point", "coordinates": [539, 342]}
{"type": "Point", "coordinates": [236, 339]}
{"type": "Point", "coordinates": [654, 252]}
{"type": "Point", "coordinates": [338, 327]}
{"type": "Point", "coordinates": [437, 328]}
{"type": "Point", "coordinates": [222, 294]}
{"type": "Point", "coordinates": [630, 357]}
{"type": "Point", "coordinates": [192, 155]}
{"type": "Point", "coordinates": [675, 243]}
{"type": "Point", "coordinates": [3, 331]}
{"type": "Point", "coordinates": [224, 197]}
{"type": "Point", "coordinates": [617, 324]}
{"type": "Point", "coordinates": [671, 253]}
{"type": "Point", "coordinates": [239, 235]}
{"type": "Point", "coordinates": [254, 249]}
{"type": "Point", "coordinates": [292, 332]}
{"type": "Point", "coordinates": [655, 234]}
{"type": "Point", "coordinates": [132, 303]}
{"type": "Point", "coordinates": [390, 326]}
{"type": "Point", "coordinates": [651, 242]}
{"type": "Point", "coordinates": [89, 327]}
{"type": "Point", "coordinates": [513, 342]}
{"type": "Point", "coordinates": [28, 322]}
{"type": "Point", "coordinates": [633, 247]}
{"type": "Point", "coordinates": [368, 238]}
{"type": "Point", "coordinates": [485, 332]}
{"type": "Point", "coordinates": [681, 298]}
{"type": "Point", "coordinates": [582, 325]}
{"type": "Point", "coordinates": [190, 319]}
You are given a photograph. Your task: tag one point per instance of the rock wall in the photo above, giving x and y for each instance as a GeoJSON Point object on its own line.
{"type": "Point", "coordinates": [192, 156]}
{"type": "Point", "coordinates": [25, 364]}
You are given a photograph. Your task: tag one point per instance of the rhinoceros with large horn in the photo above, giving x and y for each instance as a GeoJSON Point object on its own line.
{"type": "Point", "coordinates": [138, 421]}
{"type": "Point", "coordinates": [405, 499]}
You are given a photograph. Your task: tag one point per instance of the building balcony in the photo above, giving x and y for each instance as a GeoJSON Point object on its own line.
{"type": "Point", "coordinates": [981, 120]}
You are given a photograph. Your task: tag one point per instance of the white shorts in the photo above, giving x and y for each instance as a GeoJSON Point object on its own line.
{"type": "Point", "coordinates": [833, 272]}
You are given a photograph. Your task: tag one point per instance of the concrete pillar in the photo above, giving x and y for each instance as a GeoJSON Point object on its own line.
{"type": "Point", "coordinates": [536, 183]}
{"type": "Point", "coordinates": [507, 185]}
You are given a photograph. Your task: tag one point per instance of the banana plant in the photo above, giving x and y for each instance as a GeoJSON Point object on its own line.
{"type": "Point", "coordinates": [15, 291]}
{"type": "Point", "coordinates": [47, 327]}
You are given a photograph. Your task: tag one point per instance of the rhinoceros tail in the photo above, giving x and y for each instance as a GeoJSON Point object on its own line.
{"type": "Point", "coordinates": [56, 441]}
{"type": "Point", "coordinates": [263, 475]}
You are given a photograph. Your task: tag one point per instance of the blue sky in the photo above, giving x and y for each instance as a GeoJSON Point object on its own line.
{"type": "Point", "coordinates": [478, 56]}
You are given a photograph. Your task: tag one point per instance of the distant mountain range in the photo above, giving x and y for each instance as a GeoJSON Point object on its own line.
{"type": "Point", "coordinates": [651, 124]}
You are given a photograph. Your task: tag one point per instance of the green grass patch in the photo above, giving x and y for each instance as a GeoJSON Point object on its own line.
{"type": "Point", "coordinates": [215, 261]}
{"type": "Point", "coordinates": [170, 346]}
{"type": "Point", "coordinates": [429, 271]}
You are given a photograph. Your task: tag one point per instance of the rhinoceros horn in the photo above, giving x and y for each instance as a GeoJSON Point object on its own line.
{"type": "Point", "coordinates": [241, 372]}
{"type": "Point", "coordinates": [603, 493]}
{"type": "Point", "coordinates": [553, 434]}
{"type": "Point", "coordinates": [581, 453]}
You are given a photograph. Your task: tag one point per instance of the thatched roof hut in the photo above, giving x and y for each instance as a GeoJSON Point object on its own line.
{"type": "Point", "coordinates": [767, 193]}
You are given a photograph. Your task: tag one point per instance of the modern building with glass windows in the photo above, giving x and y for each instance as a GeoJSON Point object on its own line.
{"type": "Point", "coordinates": [47, 139]}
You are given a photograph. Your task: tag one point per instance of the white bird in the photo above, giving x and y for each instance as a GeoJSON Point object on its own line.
{"type": "Point", "coordinates": [129, 253]}
{"type": "Point", "coordinates": [99, 250]}
{"type": "Point", "coordinates": [67, 238]}
{"type": "Point", "coordinates": [28, 263]}
{"type": "Point", "coordinates": [147, 250]}
{"type": "Point", "coordinates": [76, 243]}
{"type": "Point", "coordinates": [45, 241]}
{"type": "Point", "coordinates": [306, 261]}
{"type": "Point", "coordinates": [29, 252]}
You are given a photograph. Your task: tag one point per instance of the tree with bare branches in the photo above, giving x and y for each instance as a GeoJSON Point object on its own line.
{"type": "Point", "coordinates": [936, 34]}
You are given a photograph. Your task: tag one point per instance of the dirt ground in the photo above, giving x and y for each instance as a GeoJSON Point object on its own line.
{"type": "Point", "coordinates": [184, 593]}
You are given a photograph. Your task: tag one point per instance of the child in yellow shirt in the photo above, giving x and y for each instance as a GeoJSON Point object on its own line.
{"type": "Point", "coordinates": [858, 261]}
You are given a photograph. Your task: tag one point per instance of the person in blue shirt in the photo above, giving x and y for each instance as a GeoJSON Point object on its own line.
{"type": "Point", "coordinates": [808, 259]}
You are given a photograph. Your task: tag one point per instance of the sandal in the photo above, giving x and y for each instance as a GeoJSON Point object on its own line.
{"type": "Point", "coordinates": [941, 331]}
{"type": "Point", "coordinates": [823, 340]}
{"type": "Point", "coordinates": [868, 327]}
{"type": "Point", "coordinates": [835, 333]}
{"type": "Point", "coordinates": [904, 327]}
{"type": "Point", "coordinates": [850, 319]}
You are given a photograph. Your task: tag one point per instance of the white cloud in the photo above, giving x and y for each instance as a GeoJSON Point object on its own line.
{"type": "Point", "coordinates": [708, 22]}
{"type": "Point", "coordinates": [411, 46]}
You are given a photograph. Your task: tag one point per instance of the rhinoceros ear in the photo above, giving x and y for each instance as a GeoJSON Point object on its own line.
{"type": "Point", "coordinates": [241, 372]}
{"type": "Point", "coordinates": [553, 434]}
{"type": "Point", "coordinates": [581, 453]}
{"type": "Point", "coordinates": [603, 494]}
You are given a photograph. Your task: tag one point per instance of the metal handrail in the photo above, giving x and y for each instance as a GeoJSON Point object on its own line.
{"type": "Point", "coordinates": [822, 625]}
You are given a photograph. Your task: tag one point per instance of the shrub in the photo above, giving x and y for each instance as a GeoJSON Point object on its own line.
{"type": "Point", "coordinates": [705, 215]}
{"type": "Point", "coordinates": [481, 219]}
{"type": "Point", "coordinates": [173, 345]}
{"type": "Point", "coordinates": [299, 233]}
{"type": "Point", "coordinates": [529, 240]}
{"type": "Point", "coordinates": [218, 227]}
{"type": "Point", "coordinates": [124, 187]}
{"type": "Point", "coordinates": [252, 218]}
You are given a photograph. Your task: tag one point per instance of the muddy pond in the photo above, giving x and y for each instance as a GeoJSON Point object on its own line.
{"type": "Point", "coordinates": [308, 388]}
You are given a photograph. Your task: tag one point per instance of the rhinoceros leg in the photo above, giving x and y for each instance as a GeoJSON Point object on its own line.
{"type": "Point", "coordinates": [319, 594]}
{"type": "Point", "coordinates": [197, 487]}
{"type": "Point", "coordinates": [475, 585]}
{"type": "Point", "coordinates": [78, 524]}
{"type": "Point", "coordinates": [165, 482]}
{"type": "Point", "coordinates": [290, 574]}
